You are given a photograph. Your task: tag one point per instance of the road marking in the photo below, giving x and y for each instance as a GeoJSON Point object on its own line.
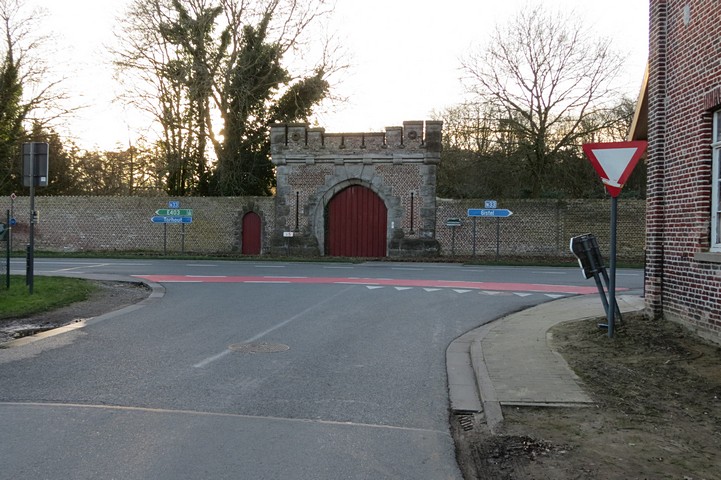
{"type": "Point", "coordinates": [120, 408]}
{"type": "Point", "coordinates": [486, 287]}
{"type": "Point", "coordinates": [92, 265]}
{"type": "Point", "coordinates": [218, 356]}
{"type": "Point", "coordinates": [267, 281]}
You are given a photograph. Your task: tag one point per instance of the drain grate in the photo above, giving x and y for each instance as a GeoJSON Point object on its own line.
{"type": "Point", "coordinates": [466, 422]}
{"type": "Point", "coordinates": [261, 347]}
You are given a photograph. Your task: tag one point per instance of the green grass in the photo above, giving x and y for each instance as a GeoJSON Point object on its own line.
{"type": "Point", "coordinates": [48, 293]}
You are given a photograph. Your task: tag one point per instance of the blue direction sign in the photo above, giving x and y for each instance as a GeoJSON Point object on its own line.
{"type": "Point", "coordinates": [489, 212]}
{"type": "Point", "coordinates": [171, 219]}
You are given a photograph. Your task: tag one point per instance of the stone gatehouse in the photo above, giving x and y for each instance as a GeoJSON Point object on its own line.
{"type": "Point", "coordinates": [356, 194]}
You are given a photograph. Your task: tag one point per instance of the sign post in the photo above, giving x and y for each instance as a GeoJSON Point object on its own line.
{"type": "Point", "coordinates": [490, 211]}
{"type": "Point", "coordinates": [173, 214]}
{"type": "Point", "coordinates": [614, 163]}
{"type": "Point", "coordinates": [35, 174]}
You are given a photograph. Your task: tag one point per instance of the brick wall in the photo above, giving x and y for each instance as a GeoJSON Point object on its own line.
{"type": "Point", "coordinates": [399, 165]}
{"type": "Point", "coordinates": [536, 228]}
{"type": "Point", "coordinates": [76, 224]}
{"type": "Point", "coordinates": [542, 228]}
{"type": "Point", "coordinates": [683, 280]}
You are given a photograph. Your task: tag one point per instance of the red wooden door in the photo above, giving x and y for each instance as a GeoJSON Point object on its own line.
{"type": "Point", "coordinates": [251, 234]}
{"type": "Point", "coordinates": [356, 220]}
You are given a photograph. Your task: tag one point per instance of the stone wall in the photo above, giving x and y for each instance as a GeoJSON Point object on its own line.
{"type": "Point", "coordinates": [399, 165]}
{"type": "Point", "coordinates": [77, 224]}
{"type": "Point", "coordinates": [541, 228]}
{"type": "Point", "coordinates": [538, 228]}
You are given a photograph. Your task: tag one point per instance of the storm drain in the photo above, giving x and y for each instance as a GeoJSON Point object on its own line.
{"type": "Point", "coordinates": [261, 347]}
{"type": "Point", "coordinates": [466, 422]}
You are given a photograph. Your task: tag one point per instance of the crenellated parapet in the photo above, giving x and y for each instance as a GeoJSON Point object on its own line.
{"type": "Point", "coordinates": [415, 140]}
{"type": "Point", "coordinates": [398, 165]}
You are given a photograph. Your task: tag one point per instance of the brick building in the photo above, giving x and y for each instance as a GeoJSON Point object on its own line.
{"type": "Point", "coordinates": [356, 194]}
{"type": "Point", "coordinates": [682, 97]}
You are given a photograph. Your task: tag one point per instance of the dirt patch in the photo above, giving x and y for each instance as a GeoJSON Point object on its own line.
{"type": "Point", "coordinates": [657, 389]}
{"type": "Point", "coordinates": [108, 296]}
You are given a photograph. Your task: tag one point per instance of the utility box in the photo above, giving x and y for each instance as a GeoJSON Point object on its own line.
{"type": "Point", "coordinates": [586, 249]}
{"type": "Point", "coordinates": [35, 164]}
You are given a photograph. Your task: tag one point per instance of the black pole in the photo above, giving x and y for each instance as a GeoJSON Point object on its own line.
{"type": "Point", "coordinates": [612, 275]}
{"type": "Point", "coordinates": [7, 253]}
{"type": "Point", "coordinates": [31, 246]}
{"type": "Point", "coordinates": [498, 237]}
{"type": "Point", "coordinates": [474, 236]}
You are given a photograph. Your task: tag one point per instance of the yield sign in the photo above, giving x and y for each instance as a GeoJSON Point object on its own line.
{"type": "Point", "coordinates": [614, 162]}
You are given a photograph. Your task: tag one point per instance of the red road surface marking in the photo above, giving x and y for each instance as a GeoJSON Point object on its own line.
{"type": "Point", "coordinates": [497, 286]}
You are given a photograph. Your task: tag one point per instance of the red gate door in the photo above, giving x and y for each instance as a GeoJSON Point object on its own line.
{"type": "Point", "coordinates": [251, 234]}
{"type": "Point", "coordinates": [356, 220]}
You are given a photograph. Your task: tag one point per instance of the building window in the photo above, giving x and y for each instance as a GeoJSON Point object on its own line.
{"type": "Point", "coordinates": [716, 185]}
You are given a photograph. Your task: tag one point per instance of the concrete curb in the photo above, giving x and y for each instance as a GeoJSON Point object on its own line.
{"type": "Point", "coordinates": [513, 353]}
{"type": "Point", "coordinates": [157, 292]}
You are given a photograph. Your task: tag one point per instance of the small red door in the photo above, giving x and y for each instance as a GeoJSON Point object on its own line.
{"type": "Point", "coordinates": [356, 220]}
{"type": "Point", "coordinates": [251, 234]}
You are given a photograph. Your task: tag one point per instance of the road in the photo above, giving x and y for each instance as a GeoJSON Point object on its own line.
{"type": "Point", "coordinates": [258, 370]}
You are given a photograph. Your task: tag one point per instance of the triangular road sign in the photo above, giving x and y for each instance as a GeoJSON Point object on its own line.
{"type": "Point", "coordinates": [614, 161]}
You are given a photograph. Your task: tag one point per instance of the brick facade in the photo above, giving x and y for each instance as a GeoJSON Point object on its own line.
{"type": "Point", "coordinates": [537, 228]}
{"type": "Point", "coordinates": [683, 279]}
{"type": "Point", "coordinates": [399, 165]}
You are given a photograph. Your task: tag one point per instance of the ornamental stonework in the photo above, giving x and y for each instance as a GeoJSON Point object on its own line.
{"type": "Point", "coordinates": [399, 165]}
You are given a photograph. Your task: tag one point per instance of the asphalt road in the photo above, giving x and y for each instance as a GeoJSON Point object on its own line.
{"type": "Point", "coordinates": [258, 370]}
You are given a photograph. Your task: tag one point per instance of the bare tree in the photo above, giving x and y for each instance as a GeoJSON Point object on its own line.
{"type": "Point", "coordinates": [546, 75]}
{"type": "Point", "coordinates": [213, 73]}
{"type": "Point", "coordinates": [30, 93]}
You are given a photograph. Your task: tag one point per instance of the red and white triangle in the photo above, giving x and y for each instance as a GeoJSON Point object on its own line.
{"type": "Point", "coordinates": [614, 162]}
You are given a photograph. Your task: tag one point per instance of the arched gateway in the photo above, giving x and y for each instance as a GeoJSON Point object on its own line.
{"type": "Point", "coordinates": [356, 194]}
{"type": "Point", "coordinates": [356, 223]}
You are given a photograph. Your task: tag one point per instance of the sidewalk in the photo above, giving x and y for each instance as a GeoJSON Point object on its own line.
{"type": "Point", "coordinates": [509, 361]}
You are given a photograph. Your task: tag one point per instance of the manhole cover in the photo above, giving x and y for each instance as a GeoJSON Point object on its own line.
{"type": "Point", "coordinates": [258, 347]}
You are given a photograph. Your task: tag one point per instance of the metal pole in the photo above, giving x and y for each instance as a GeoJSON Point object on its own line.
{"type": "Point", "coordinates": [182, 239]}
{"type": "Point", "coordinates": [7, 254]}
{"type": "Point", "coordinates": [31, 248]}
{"type": "Point", "coordinates": [612, 276]}
{"type": "Point", "coordinates": [498, 237]}
{"type": "Point", "coordinates": [474, 236]}
{"type": "Point", "coordinates": [165, 238]}
{"type": "Point", "coordinates": [453, 241]}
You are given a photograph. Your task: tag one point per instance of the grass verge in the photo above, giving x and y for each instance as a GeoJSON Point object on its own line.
{"type": "Point", "coordinates": [48, 293]}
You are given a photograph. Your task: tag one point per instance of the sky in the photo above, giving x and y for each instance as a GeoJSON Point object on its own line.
{"type": "Point", "coordinates": [404, 56]}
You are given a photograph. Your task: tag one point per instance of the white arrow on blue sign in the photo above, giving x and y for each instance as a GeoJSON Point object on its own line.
{"type": "Point", "coordinates": [489, 212]}
{"type": "Point", "coordinates": [171, 219]}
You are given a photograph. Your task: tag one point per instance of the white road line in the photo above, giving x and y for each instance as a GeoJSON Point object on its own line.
{"type": "Point", "coordinates": [93, 265]}
{"type": "Point", "coordinates": [266, 281]}
{"type": "Point", "coordinates": [120, 408]}
{"type": "Point", "coordinates": [282, 276]}
{"type": "Point", "coordinates": [218, 356]}
{"type": "Point", "coordinates": [269, 266]}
